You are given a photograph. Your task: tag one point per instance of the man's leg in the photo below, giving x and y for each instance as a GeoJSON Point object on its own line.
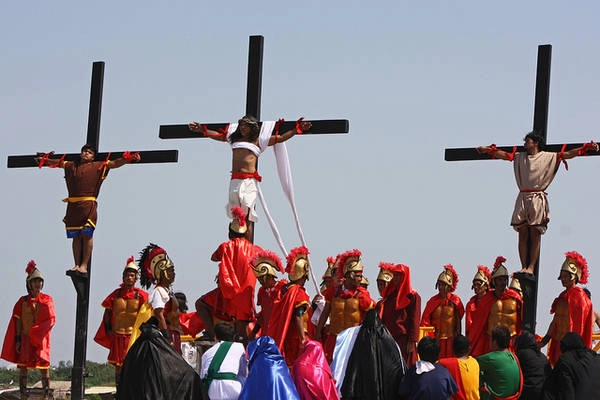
{"type": "Point", "coordinates": [535, 239]}
{"type": "Point", "coordinates": [77, 245]}
{"type": "Point", "coordinates": [523, 231]}
{"type": "Point", "coordinates": [46, 382]}
{"type": "Point", "coordinates": [241, 329]}
{"type": "Point", "coordinates": [87, 245]}
{"type": "Point", "coordinates": [204, 312]}
{"type": "Point", "coordinates": [23, 383]}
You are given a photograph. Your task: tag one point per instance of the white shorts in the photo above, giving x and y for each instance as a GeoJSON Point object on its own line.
{"type": "Point", "coordinates": [243, 193]}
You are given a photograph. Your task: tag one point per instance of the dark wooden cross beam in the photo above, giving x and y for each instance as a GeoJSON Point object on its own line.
{"type": "Point", "coordinates": [253, 97]}
{"type": "Point", "coordinates": [540, 125]}
{"type": "Point", "coordinates": [82, 286]}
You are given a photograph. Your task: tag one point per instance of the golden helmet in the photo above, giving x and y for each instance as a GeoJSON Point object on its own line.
{"type": "Point", "coordinates": [515, 284]}
{"type": "Point", "coordinates": [131, 265]}
{"type": "Point", "coordinates": [238, 224]}
{"type": "Point", "coordinates": [349, 263]}
{"type": "Point", "coordinates": [448, 276]}
{"type": "Point", "coordinates": [499, 269]}
{"type": "Point", "coordinates": [32, 273]}
{"type": "Point", "coordinates": [385, 272]}
{"type": "Point", "coordinates": [364, 282]}
{"type": "Point", "coordinates": [483, 274]}
{"type": "Point", "coordinates": [576, 265]}
{"type": "Point", "coordinates": [331, 267]}
{"type": "Point", "coordinates": [297, 263]}
{"type": "Point", "coordinates": [266, 262]}
{"type": "Point", "coordinates": [155, 262]}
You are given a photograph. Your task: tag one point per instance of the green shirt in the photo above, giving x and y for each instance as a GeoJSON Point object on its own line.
{"type": "Point", "coordinates": [499, 373]}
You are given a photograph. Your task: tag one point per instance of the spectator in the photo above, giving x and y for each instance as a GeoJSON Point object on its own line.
{"type": "Point", "coordinates": [464, 369]}
{"type": "Point", "coordinates": [534, 365]}
{"type": "Point", "coordinates": [426, 379]}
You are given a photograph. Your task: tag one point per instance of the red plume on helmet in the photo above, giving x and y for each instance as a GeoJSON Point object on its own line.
{"type": "Point", "coordinates": [330, 260]}
{"type": "Point", "coordinates": [130, 259]}
{"type": "Point", "coordinates": [239, 214]}
{"type": "Point", "coordinates": [499, 261]}
{"type": "Point", "coordinates": [343, 259]}
{"type": "Point", "coordinates": [581, 264]}
{"type": "Point", "coordinates": [485, 271]}
{"type": "Point", "coordinates": [269, 255]}
{"type": "Point", "coordinates": [450, 268]}
{"type": "Point", "coordinates": [387, 266]}
{"type": "Point", "coordinates": [291, 258]}
{"type": "Point", "coordinates": [30, 267]}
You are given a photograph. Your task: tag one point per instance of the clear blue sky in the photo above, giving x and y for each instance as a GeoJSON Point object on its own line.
{"type": "Point", "coordinates": [412, 79]}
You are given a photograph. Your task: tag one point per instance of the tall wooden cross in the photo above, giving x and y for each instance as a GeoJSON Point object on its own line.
{"type": "Point", "coordinates": [529, 284]}
{"type": "Point", "coordinates": [82, 286]}
{"type": "Point", "coordinates": [253, 97]}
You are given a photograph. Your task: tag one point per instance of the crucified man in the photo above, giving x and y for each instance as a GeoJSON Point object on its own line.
{"type": "Point", "coordinates": [534, 171]}
{"type": "Point", "coordinates": [246, 150]}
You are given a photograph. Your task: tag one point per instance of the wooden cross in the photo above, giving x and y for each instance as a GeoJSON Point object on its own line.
{"type": "Point", "coordinates": [253, 97]}
{"type": "Point", "coordinates": [82, 286]}
{"type": "Point", "coordinates": [540, 124]}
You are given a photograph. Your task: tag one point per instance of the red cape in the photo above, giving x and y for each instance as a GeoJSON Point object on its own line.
{"type": "Point", "coordinates": [294, 297]}
{"type": "Point", "coordinates": [39, 334]}
{"type": "Point", "coordinates": [102, 337]}
{"type": "Point", "coordinates": [581, 316]}
{"type": "Point", "coordinates": [191, 324]}
{"type": "Point", "coordinates": [235, 273]}
{"type": "Point", "coordinates": [267, 301]}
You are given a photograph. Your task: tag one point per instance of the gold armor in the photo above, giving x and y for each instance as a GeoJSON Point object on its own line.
{"type": "Point", "coordinates": [28, 316]}
{"type": "Point", "coordinates": [503, 312]}
{"type": "Point", "coordinates": [345, 313]}
{"type": "Point", "coordinates": [444, 320]}
{"type": "Point", "coordinates": [562, 320]}
{"type": "Point", "coordinates": [124, 313]}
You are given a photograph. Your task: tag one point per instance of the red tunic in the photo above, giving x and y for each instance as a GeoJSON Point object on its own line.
{"type": "Point", "coordinates": [236, 278]}
{"type": "Point", "coordinates": [459, 310]}
{"type": "Point", "coordinates": [191, 324]}
{"type": "Point", "coordinates": [267, 299]}
{"type": "Point", "coordinates": [581, 317]}
{"type": "Point", "coordinates": [282, 329]}
{"type": "Point", "coordinates": [83, 180]}
{"type": "Point", "coordinates": [35, 344]}
{"type": "Point", "coordinates": [118, 343]}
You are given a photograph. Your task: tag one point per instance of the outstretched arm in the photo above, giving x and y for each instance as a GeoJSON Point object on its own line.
{"type": "Point", "coordinates": [214, 135]}
{"type": "Point", "coordinates": [580, 151]}
{"type": "Point", "coordinates": [494, 152]}
{"type": "Point", "coordinates": [302, 126]}
{"type": "Point", "coordinates": [45, 160]}
{"type": "Point", "coordinates": [119, 162]}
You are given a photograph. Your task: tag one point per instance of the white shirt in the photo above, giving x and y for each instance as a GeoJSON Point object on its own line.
{"type": "Point", "coordinates": [235, 362]}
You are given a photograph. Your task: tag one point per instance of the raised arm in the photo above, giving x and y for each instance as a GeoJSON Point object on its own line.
{"type": "Point", "coordinates": [200, 128]}
{"type": "Point", "coordinates": [580, 151]}
{"type": "Point", "coordinates": [495, 152]}
{"type": "Point", "coordinates": [44, 160]}
{"type": "Point", "coordinates": [301, 126]}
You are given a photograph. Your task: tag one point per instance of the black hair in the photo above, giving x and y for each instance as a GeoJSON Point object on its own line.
{"type": "Point", "coordinates": [91, 147]}
{"type": "Point", "coordinates": [501, 335]}
{"type": "Point", "coordinates": [536, 137]}
{"type": "Point", "coordinates": [429, 349]}
{"type": "Point", "coordinates": [460, 345]}
{"type": "Point", "coordinates": [587, 293]}
{"type": "Point", "coordinates": [224, 331]}
{"type": "Point", "coordinates": [182, 300]}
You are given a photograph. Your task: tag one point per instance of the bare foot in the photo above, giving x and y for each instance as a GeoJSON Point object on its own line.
{"type": "Point", "coordinates": [528, 271]}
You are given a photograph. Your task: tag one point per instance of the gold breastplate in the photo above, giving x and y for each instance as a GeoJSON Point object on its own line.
{"type": "Point", "coordinates": [28, 316]}
{"type": "Point", "coordinates": [503, 312]}
{"type": "Point", "coordinates": [562, 320]}
{"type": "Point", "coordinates": [124, 315]}
{"type": "Point", "coordinates": [345, 313]}
{"type": "Point", "coordinates": [444, 321]}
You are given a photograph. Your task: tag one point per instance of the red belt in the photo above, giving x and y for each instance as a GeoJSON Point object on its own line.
{"type": "Point", "coordinates": [246, 175]}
